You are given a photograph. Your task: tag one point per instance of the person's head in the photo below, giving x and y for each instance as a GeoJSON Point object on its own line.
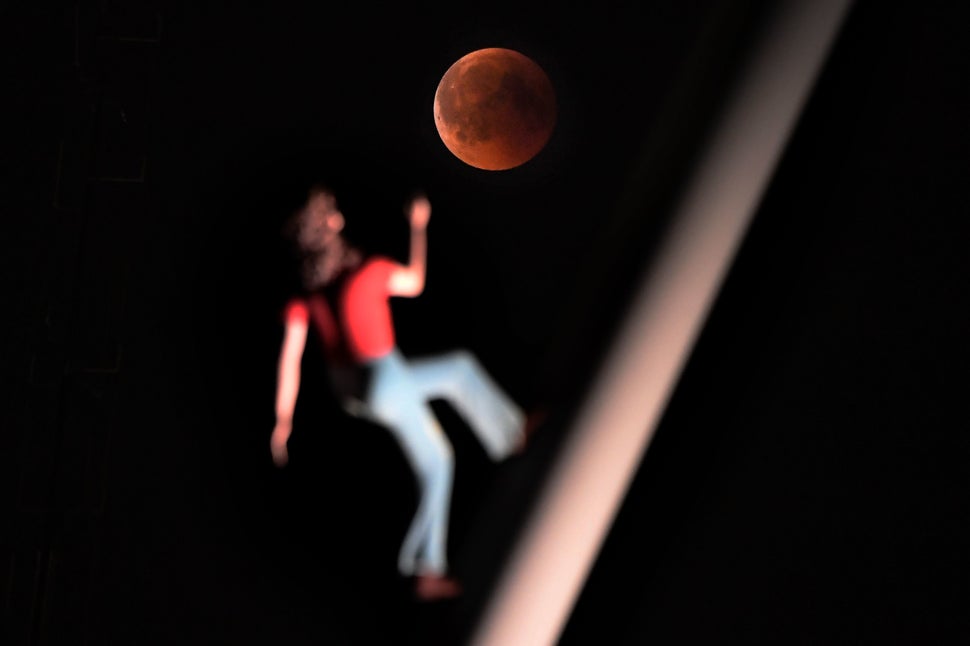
{"type": "Point", "coordinates": [319, 222]}
{"type": "Point", "coordinates": [315, 230]}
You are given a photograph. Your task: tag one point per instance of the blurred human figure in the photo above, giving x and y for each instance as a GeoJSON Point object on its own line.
{"type": "Point", "coordinates": [346, 301]}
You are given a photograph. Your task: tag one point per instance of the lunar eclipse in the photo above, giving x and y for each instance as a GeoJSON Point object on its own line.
{"type": "Point", "coordinates": [495, 109]}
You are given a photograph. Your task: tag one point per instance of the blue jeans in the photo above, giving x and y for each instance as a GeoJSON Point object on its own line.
{"type": "Point", "coordinates": [397, 397]}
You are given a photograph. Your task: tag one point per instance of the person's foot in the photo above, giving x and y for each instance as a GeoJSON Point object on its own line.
{"type": "Point", "coordinates": [533, 420]}
{"type": "Point", "coordinates": [434, 587]}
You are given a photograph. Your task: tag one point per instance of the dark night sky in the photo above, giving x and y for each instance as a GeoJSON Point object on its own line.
{"type": "Point", "coordinates": [260, 104]}
{"type": "Point", "coordinates": [804, 486]}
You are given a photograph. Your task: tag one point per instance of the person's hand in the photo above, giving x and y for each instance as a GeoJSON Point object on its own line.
{"type": "Point", "coordinates": [419, 213]}
{"type": "Point", "coordinates": [277, 443]}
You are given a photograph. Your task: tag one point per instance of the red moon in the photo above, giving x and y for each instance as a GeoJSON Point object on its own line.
{"type": "Point", "coordinates": [495, 109]}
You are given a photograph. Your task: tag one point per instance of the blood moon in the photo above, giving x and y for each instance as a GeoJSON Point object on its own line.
{"type": "Point", "coordinates": [495, 108]}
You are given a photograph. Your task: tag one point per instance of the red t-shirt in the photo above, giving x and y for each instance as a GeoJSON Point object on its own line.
{"type": "Point", "coordinates": [354, 322]}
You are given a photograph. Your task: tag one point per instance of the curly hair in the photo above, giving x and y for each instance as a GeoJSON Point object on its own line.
{"type": "Point", "coordinates": [321, 258]}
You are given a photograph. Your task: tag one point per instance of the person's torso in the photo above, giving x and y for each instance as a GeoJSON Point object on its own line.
{"type": "Point", "coordinates": [352, 315]}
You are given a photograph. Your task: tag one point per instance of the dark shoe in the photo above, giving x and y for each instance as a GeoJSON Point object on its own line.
{"type": "Point", "coordinates": [533, 420]}
{"type": "Point", "coordinates": [430, 587]}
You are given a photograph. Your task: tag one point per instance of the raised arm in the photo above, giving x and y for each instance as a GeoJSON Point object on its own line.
{"type": "Point", "coordinates": [287, 386]}
{"type": "Point", "coordinates": [408, 280]}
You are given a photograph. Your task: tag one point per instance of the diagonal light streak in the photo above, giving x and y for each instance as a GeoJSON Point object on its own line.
{"type": "Point", "coordinates": [580, 499]}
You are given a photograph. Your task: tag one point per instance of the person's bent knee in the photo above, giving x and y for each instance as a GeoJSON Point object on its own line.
{"type": "Point", "coordinates": [464, 363]}
{"type": "Point", "coordinates": [463, 358]}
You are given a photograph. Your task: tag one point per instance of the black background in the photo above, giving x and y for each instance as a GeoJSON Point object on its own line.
{"type": "Point", "coordinates": [808, 483]}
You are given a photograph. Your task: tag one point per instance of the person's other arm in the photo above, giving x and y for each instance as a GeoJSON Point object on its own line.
{"type": "Point", "coordinates": [408, 280]}
{"type": "Point", "coordinates": [287, 386]}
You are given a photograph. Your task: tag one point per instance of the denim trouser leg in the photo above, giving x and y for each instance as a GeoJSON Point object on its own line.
{"type": "Point", "coordinates": [461, 380]}
{"type": "Point", "coordinates": [395, 401]}
{"type": "Point", "coordinates": [398, 398]}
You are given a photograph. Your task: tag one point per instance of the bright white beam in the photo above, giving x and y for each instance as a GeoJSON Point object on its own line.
{"type": "Point", "coordinates": [543, 579]}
